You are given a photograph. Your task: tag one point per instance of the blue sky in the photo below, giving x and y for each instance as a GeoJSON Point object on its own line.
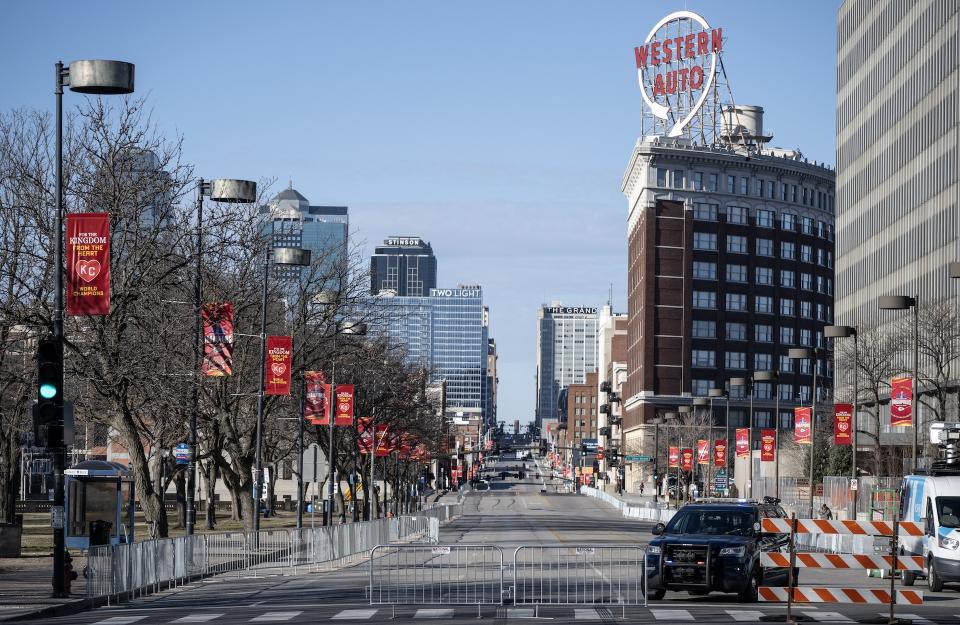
{"type": "Point", "coordinates": [497, 130]}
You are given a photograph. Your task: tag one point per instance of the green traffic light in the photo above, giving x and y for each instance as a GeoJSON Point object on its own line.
{"type": "Point", "coordinates": [48, 391]}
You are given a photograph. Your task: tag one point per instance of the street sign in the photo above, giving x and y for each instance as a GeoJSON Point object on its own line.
{"type": "Point", "coordinates": [314, 464]}
{"type": "Point", "coordinates": [181, 453]}
{"type": "Point", "coordinates": [636, 458]}
{"type": "Point", "coordinates": [720, 480]}
{"type": "Point", "coordinates": [854, 484]}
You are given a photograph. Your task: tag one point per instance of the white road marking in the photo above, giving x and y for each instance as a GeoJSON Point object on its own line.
{"type": "Point", "coordinates": [586, 614]}
{"type": "Point", "coordinates": [198, 618]}
{"type": "Point", "coordinates": [273, 617]}
{"type": "Point", "coordinates": [121, 620]}
{"type": "Point", "coordinates": [356, 615]}
{"type": "Point", "coordinates": [434, 613]}
{"type": "Point", "coordinates": [672, 615]}
{"type": "Point", "coordinates": [828, 617]}
{"type": "Point", "coordinates": [913, 617]}
{"type": "Point", "coordinates": [750, 616]}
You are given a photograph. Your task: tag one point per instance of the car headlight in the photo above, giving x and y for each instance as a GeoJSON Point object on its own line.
{"type": "Point", "coordinates": [653, 550]}
{"type": "Point", "coordinates": [734, 551]}
{"type": "Point", "coordinates": [948, 543]}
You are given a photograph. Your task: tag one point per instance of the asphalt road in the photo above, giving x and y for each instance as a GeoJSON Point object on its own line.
{"type": "Point", "coordinates": [510, 514]}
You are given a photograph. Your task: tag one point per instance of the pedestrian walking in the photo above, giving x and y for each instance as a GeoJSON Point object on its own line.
{"type": "Point", "coordinates": [826, 513]}
{"type": "Point", "coordinates": [641, 489]}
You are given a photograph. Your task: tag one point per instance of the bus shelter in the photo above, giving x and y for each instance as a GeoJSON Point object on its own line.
{"type": "Point", "coordinates": [99, 504]}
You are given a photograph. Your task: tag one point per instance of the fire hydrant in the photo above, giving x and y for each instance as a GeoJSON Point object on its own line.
{"type": "Point", "coordinates": [68, 573]}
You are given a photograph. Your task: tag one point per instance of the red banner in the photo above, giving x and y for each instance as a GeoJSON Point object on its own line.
{"type": "Point", "coordinates": [802, 433]}
{"type": "Point", "coordinates": [344, 407]}
{"type": "Point", "coordinates": [315, 409]}
{"type": "Point", "coordinates": [686, 459]}
{"type": "Point", "coordinates": [88, 264]}
{"type": "Point", "coordinates": [743, 442]}
{"type": "Point", "coordinates": [217, 339]}
{"type": "Point", "coordinates": [768, 442]}
{"type": "Point", "coordinates": [674, 458]}
{"type": "Point", "coordinates": [842, 424]}
{"type": "Point", "coordinates": [703, 451]}
{"type": "Point", "coordinates": [279, 360]}
{"type": "Point", "coordinates": [367, 439]}
{"type": "Point", "coordinates": [901, 410]}
{"type": "Point", "coordinates": [720, 453]}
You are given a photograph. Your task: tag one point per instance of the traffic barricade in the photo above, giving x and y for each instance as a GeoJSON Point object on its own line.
{"type": "Point", "coordinates": [579, 575]}
{"type": "Point", "coordinates": [818, 594]}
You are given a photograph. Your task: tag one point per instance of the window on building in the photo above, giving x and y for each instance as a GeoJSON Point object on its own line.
{"type": "Point", "coordinates": [804, 393]}
{"type": "Point", "coordinates": [822, 257]}
{"type": "Point", "coordinates": [736, 331]}
{"type": "Point", "coordinates": [736, 244]}
{"type": "Point", "coordinates": [744, 186]}
{"type": "Point", "coordinates": [704, 329]}
{"type": "Point", "coordinates": [764, 275]}
{"type": "Point", "coordinates": [764, 247]}
{"type": "Point", "coordinates": [804, 366]}
{"type": "Point", "coordinates": [705, 241]}
{"type": "Point", "coordinates": [762, 390]}
{"type": "Point", "coordinates": [763, 304]}
{"type": "Point", "coordinates": [762, 362]}
{"type": "Point", "coordinates": [793, 192]}
{"type": "Point", "coordinates": [806, 195]}
{"type": "Point", "coordinates": [806, 225]}
{"type": "Point", "coordinates": [763, 333]}
{"type": "Point", "coordinates": [712, 182]}
{"type": "Point", "coordinates": [788, 222]}
{"type": "Point", "coordinates": [806, 309]}
{"type": "Point", "coordinates": [786, 335]}
{"type": "Point", "coordinates": [737, 215]}
{"type": "Point", "coordinates": [786, 364]}
{"type": "Point", "coordinates": [787, 250]}
{"type": "Point", "coordinates": [701, 388]}
{"type": "Point", "coordinates": [758, 187]}
{"type": "Point", "coordinates": [770, 189]}
{"type": "Point", "coordinates": [786, 392]}
{"type": "Point", "coordinates": [736, 302]}
{"type": "Point", "coordinates": [820, 284]}
{"type": "Point", "coordinates": [787, 307]}
{"type": "Point", "coordinates": [705, 212]}
{"type": "Point", "coordinates": [820, 315]}
{"type": "Point", "coordinates": [806, 281]}
{"type": "Point", "coordinates": [736, 273]}
{"type": "Point", "coordinates": [787, 278]}
{"type": "Point", "coordinates": [806, 338]}
{"type": "Point", "coordinates": [679, 179]}
{"type": "Point", "coordinates": [661, 177]}
{"type": "Point", "coordinates": [698, 181]}
{"type": "Point", "coordinates": [704, 299]}
{"type": "Point", "coordinates": [703, 270]}
{"type": "Point", "coordinates": [735, 360]}
{"type": "Point", "coordinates": [731, 184]}
{"type": "Point", "coordinates": [821, 229]}
{"type": "Point", "coordinates": [704, 358]}
{"type": "Point", "coordinates": [765, 218]}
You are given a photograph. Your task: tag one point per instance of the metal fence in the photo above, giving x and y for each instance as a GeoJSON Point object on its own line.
{"type": "Point", "coordinates": [877, 497]}
{"type": "Point", "coordinates": [581, 575]}
{"type": "Point", "coordinates": [144, 567]}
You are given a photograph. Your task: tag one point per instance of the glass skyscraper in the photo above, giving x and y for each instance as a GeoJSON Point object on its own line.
{"type": "Point", "coordinates": [403, 265]}
{"type": "Point", "coordinates": [566, 352]}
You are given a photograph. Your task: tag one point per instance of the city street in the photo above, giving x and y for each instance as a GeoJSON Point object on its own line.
{"type": "Point", "coordinates": [510, 514]}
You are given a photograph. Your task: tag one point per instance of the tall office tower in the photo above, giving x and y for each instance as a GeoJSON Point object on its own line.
{"type": "Point", "coordinates": [566, 352]}
{"type": "Point", "coordinates": [324, 230]}
{"type": "Point", "coordinates": [729, 248]}
{"type": "Point", "coordinates": [403, 265]}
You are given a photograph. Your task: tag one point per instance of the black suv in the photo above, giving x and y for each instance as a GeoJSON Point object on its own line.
{"type": "Point", "coordinates": [715, 546]}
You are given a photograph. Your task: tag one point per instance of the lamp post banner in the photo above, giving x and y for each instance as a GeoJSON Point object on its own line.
{"type": "Point", "coordinates": [802, 433]}
{"type": "Point", "coordinates": [88, 264]}
{"type": "Point", "coordinates": [743, 442]}
{"type": "Point", "coordinates": [674, 457]}
{"type": "Point", "coordinates": [703, 452]}
{"type": "Point", "coordinates": [901, 394]}
{"type": "Point", "coordinates": [315, 403]}
{"type": "Point", "coordinates": [344, 408]}
{"type": "Point", "coordinates": [720, 453]}
{"type": "Point", "coordinates": [767, 443]}
{"type": "Point", "coordinates": [217, 339]}
{"type": "Point", "coordinates": [686, 459]}
{"type": "Point", "coordinates": [843, 424]}
{"type": "Point", "coordinates": [279, 359]}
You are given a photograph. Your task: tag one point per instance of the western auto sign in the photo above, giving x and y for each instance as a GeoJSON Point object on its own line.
{"type": "Point", "coordinates": [703, 451]}
{"type": "Point", "coordinates": [686, 459]}
{"type": "Point", "coordinates": [343, 414]}
{"type": "Point", "coordinates": [677, 66]}
{"type": "Point", "coordinates": [88, 264]}
{"type": "Point", "coordinates": [217, 339]}
{"type": "Point", "coordinates": [673, 457]}
{"type": "Point", "coordinates": [279, 360]}
{"type": "Point", "coordinates": [720, 453]}
{"type": "Point", "coordinates": [901, 395]}
{"type": "Point", "coordinates": [315, 409]}
{"type": "Point", "coordinates": [843, 424]}
{"type": "Point", "coordinates": [802, 431]}
{"type": "Point", "coordinates": [743, 442]}
{"type": "Point", "coordinates": [768, 442]}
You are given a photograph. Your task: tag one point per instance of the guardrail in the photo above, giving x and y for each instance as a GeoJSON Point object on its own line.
{"type": "Point", "coordinates": [646, 513]}
{"type": "Point", "coordinates": [129, 570]}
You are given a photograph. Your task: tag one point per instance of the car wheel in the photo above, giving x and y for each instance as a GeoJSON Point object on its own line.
{"type": "Point", "coordinates": [656, 593]}
{"type": "Point", "coordinates": [933, 580]}
{"type": "Point", "coordinates": [908, 577]}
{"type": "Point", "coordinates": [750, 593]}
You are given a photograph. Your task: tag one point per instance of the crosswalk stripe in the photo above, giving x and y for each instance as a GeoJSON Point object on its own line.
{"type": "Point", "coordinates": [749, 616]}
{"type": "Point", "coordinates": [913, 617]}
{"type": "Point", "coordinates": [362, 615]}
{"type": "Point", "coordinates": [828, 617]}
{"type": "Point", "coordinates": [121, 620]}
{"type": "Point", "coordinates": [672, 615]}
{"type": "Point", "coordinates": [586, 614]}
{"type": "Point", "coordinates": [434, 613]}
{"type": "Point", "coordinates": [198, 618]}
{"type": "Point", "coordinates": [272, 617]}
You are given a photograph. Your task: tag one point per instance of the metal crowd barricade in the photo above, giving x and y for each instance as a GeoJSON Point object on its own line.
{"type": "Point", "coordinates": [437, 575]}
{"type": "Point", "coordinates": [579, 575]}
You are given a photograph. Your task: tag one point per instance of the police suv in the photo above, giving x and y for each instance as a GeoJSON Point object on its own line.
{"type": "Point", "coordinates": [714, 546]}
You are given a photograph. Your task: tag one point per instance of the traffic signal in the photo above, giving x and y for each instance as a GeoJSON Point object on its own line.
{"type": "Point", "coordinates": [613, 455]}
{"type": "Point", "coordinates": [48, 410]}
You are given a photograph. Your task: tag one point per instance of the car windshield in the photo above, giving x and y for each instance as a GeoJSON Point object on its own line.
{"type": "Point", "coordinates": [948, 509]}
{"type": "Point", "coordinates": [712, 522]}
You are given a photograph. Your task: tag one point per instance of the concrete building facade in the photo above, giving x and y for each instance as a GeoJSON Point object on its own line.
{"type": "Point", "coordinates": [566, 352]}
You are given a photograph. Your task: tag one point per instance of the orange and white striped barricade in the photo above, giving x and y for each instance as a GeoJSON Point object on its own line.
{"type": "Point", "coordinates": [821, 594]}
{"type": "Point", "coordinates": [841, 561]}
{"type": "Point", "coordinates": [848, 527]}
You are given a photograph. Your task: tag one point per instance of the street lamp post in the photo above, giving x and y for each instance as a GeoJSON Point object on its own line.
{"type": "Point", "coordinates": [748, 383]}
{"type": "Point", "coordinates": [715, 393]}
{"type": "Point", "coordinates": [836, 332]}
{"type": "Point", "coordinates": [667, 417]}
{"type": "Point", "coordinates": [772, 376]}
{"type": "Point", "coordinates": [656, 456]}
{"type": "Point", "coordinates": [281, 256]}
{"type": "Point", "coordinates": [803, 353]}
{"type": "Point", "coordinates": [902, 302]}
{"type": "Point", "coordinates": [703, 401]}
{"type": "Point", "coordinates": [684, 410]}
{"type": "Point", "coordinates": [220, 190]}
{"type": "Point", "coordinates": [96, 77]}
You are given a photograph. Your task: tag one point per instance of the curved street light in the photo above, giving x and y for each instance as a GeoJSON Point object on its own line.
{"type": "Point", "coordinates": [838, 332]}
{"type": "Point", "coordinates": [903, 302]}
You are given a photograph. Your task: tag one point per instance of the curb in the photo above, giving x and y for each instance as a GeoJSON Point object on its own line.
{"type": "Point", "coordinates": [63, 609]}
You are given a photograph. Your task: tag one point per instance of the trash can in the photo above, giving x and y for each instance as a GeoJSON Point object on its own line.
{"type": "Point", "coordinates": [100, 532]}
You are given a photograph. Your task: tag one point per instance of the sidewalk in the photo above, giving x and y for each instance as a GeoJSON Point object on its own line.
{"type": "Point", "coordinates": [25, 588]}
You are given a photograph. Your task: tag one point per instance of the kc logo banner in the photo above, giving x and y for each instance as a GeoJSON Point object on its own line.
{"type": "Point", "coordinates": [720, 453]}
{"type": "Point", "coordinates": [217, 339]}
{"type": "Point", "coordinates": [88, 264]}
{"type": "Point", "coordinates": [768, 441]}
{"type": "Point", "coordinates": [842, 422]}
{"type": "Point", "coordinates": [901, 396]}
{"type": "Point", "coordinates": [279, 358]}
{"type": "Point", "coordinates": [686, 459]}
{"type": "Point", "coordinates": [703, 451]}
{"type": "Point", "coordinates": [743, 442]}
{"type": "Point", "coordinates": [802, 433]}
{"type": "Point", "coordinates": [674, 457]}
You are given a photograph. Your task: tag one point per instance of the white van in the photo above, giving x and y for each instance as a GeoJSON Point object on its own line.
{"type": "Point", "coordinates": [933, 501]}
